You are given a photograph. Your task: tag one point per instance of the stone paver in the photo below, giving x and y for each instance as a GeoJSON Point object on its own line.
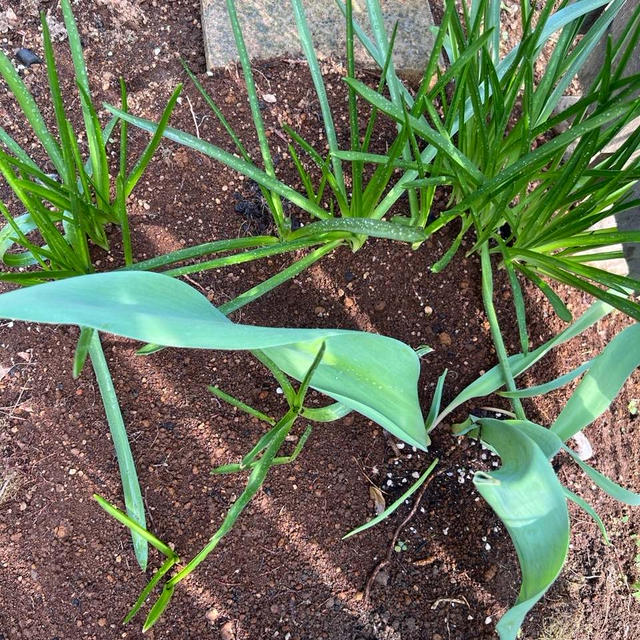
{"type": "Point", "coordinates": [270, 31]}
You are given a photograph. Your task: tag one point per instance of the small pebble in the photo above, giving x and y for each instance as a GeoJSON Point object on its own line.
{"type": "Point", "coordinates": [212, 615]}
{"type": "Point", "coordinates": [445, 339]}
{"type": "Point", "coordinates": [27, 57]}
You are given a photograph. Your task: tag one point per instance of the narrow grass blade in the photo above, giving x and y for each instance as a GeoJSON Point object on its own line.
{"type": "Point", "coordinates": [158, 608]}
{"type": "Point", "coordinates": [31, 111]}
{"type": "Point", "coordinates": [93, 130]}
{"type": "Point", "coordinates": [496, 334]}
{"type": "Point", "coordinates": [127, 521]}
{"type": "Point", "coordinates": [272, 198]}
{"type": "Point", "coordinates": [610, 487]}
{"type": "Point", "coordinates": [589, 510]}
{"type": "Point", "coordinates": [217, 112]}
{"type": "Point", "coordinates": [329, 413]}
{"type": "Point", "coordinates": [306, 381]}
{"type": "Point", "coordinates": [240, 405]}
{"type": "Point", "coordinates": [391, 508]}
{"type": "Point", "coordinates": [56, 97]}
{"type": "Point", "coordinates": [279, 278]}
{"type": "Point", "coordinates": [82, 350]}
{"type": "Point", "coordinates": [143, 161]}
{"type": "Point", "coordinates": [226, 158]}
{"type": "Point", "coordinates": [150, 586]}
{"type": "Point", "coordinates": [245, 256]}
{"type": "Point", "coordinates": [492, 380]}
{"type": "Point", "coordinates": [254, 482]}
{"type": "Point", "coordinates": [307, 46]}
{"type": "Point", "coordinates": [17, 150]}
{"type": "Point", "coordinates": [435, 402]}
{"type": "Point", "coordinates": [128, 475]}
{"type": "Point", "coordinates": [436, 139]}
{"type": "Point", "coordinates": [197, 251]}
{"type": "Point", "coordinates": [541, 389]}
{"type": "Point", "coordinates": [371, 228]}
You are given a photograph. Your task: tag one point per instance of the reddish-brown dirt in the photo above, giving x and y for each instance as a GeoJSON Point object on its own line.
{"type": "Point", "coordinates": [67, 570]}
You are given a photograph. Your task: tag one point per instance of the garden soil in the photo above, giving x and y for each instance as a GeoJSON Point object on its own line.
{"type": "Point", "coordinates": [67, 570]}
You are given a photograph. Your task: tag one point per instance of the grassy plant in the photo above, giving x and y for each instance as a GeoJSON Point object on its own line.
{"type": "Point", "coordinates": [481, 143]}
{"type": "Point", "coordinates": [350, 216]}
{"type": "Point", "coordinates": [67, 212]}
{"type": "Point", "coordinates": [532, 197]}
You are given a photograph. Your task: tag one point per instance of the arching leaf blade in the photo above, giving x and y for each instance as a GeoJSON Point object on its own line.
{"type": "Point", "coordinates": [529, 499]}
{"type": "Point", "coordinates": [372, 374]}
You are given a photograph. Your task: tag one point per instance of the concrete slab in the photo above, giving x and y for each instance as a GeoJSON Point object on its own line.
{"type": "Point", "coordinates": [270, 31]}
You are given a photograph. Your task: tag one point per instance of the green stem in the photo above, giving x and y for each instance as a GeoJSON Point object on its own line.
{"type": "Point", "coordinates": [257, 477]}
{"type": "Point", "coordinates": [200, 250]}
{"type": "Point", "coordinates": [496, 335]}
{"type": "Point", "coordinates": [271, 283]}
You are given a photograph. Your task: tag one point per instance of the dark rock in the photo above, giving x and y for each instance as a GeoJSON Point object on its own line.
{"type": "Point", "coordinates": [27, 57]}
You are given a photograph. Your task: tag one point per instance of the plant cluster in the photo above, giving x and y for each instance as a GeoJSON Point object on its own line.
{"type": "Point", "coordinates": [483, 125]}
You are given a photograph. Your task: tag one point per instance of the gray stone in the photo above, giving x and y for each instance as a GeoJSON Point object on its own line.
{"type": "Point", "coordinates": [269, 30]}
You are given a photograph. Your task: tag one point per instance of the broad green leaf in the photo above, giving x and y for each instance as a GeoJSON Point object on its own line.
{"type": "Point", "coordinates": [529, 499]}
{"type": "Point", "coordinates": [601, 384]}
{"type": "Point", "coordinates": [372, 374]}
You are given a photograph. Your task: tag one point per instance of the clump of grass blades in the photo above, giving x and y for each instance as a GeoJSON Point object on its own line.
{"type": "Point", "coordinates": [533, 195]}
{"type": "Point", "coordinates": [71, 208]}
{"type": "Point", "coordinates": [352, 213]}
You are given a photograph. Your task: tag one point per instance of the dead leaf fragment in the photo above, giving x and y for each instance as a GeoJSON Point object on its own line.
{"type": "Point", "coordinates": [378, 499]}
